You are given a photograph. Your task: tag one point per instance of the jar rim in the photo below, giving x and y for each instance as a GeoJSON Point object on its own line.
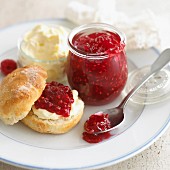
{"type": "Point", "coordinates": [101, 26]}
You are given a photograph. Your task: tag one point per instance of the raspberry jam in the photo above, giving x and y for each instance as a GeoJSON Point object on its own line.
{"type": "Point", "coordinates": [96, 64]}
{"type": "Point", "coordinates": [90, 138]}
{"type": "Point", "coordinates": [56, 98]}
{"type": "Point", "coordinates": [96, 122]}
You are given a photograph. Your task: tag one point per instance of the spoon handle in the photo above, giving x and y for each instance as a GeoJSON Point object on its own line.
{"type": "Point", "coordinates": [159, 63]}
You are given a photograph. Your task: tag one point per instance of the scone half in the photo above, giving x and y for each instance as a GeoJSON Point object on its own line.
{"type": "Point", "coordinates": [59, 126]}
{"type": "Point", "coordinates": [18, 92]}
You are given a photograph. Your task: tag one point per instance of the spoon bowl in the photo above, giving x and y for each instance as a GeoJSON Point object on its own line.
{"type": "Point", "coordinates": [116, 115]}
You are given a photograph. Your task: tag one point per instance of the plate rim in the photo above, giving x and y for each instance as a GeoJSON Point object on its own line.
{"type": "Point", "coordinates": [111, 162]}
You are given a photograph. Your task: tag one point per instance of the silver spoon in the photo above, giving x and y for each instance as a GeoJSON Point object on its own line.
{"type": "Point", "coordinates": [116, 115]}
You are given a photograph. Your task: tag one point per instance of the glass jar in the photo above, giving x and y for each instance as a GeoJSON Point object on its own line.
{"type": "Point", "coordinates": [45, 45]}
{"type": "Point", "coordinates": [96, 63]}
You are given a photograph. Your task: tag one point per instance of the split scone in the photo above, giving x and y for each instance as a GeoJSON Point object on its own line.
{"type": "Point", "coordinates": [44, 107]}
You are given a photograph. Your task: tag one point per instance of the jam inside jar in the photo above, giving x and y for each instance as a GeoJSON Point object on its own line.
{"type": "Point", "coordinates": [96, 63]}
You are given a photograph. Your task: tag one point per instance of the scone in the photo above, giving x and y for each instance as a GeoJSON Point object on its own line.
{"type": "Point", "coordinates": [64, 119]}
{"type": "Point", "coordinates": [18, 92]}
{"type": "Point", "coordinates": [44, 107]}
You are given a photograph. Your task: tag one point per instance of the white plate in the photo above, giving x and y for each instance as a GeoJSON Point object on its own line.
{"type": "Point", "coordinates": [23, 147]}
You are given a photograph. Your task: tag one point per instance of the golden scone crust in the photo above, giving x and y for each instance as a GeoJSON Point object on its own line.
{"type": "Point", "coordinates": [18, 92]}
{"type": "Point", "coordinates": [59, 126]}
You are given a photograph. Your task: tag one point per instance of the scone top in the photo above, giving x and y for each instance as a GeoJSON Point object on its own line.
{"type": "Point", "coordinates": [18, 92]}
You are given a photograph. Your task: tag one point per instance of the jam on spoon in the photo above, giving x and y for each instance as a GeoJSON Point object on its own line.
{"type": "Point", "coordinates": [96, 122]}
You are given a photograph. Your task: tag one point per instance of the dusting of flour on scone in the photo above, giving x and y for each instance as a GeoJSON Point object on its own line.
{"type": "Point", "coordinates": [18, 92]}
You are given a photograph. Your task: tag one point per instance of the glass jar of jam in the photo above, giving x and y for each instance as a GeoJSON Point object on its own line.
{"type": "Point", "coordinates": [96, 63]}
